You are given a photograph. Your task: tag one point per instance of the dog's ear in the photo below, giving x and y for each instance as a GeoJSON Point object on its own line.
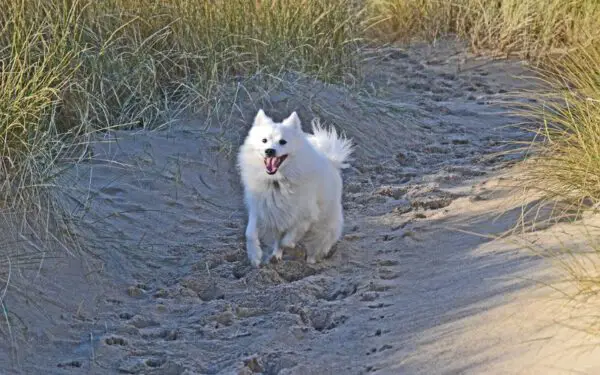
{"type": "Point", "coordinates": [260, 118]}
{"type": "Point", "coordinates": [293, 121]}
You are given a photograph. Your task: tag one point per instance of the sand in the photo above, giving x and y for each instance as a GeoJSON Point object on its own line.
{"type": "Point", "coordinates": [161, 285]}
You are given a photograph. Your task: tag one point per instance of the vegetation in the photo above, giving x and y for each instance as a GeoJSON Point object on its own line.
{"type": "Point", "coordinates": [533, 29]}
{"type": "Point", "coordinates": [566, 153]}
{"type": "Point", "coordinates": [69, 68]}
{"type": "Point", "coordinates": [561, 38]}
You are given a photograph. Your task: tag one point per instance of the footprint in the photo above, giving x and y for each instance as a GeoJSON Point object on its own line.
{"type": "Point", "coordinates": [75, 364]}
{"type": "Point", "coordinates": [383, 348]}
{"type": "Point", "coordinates": [235, 256]}
{"type": "Point", "coordinates": [205, 287]}
{"type": "Point", "coordinates": [369, 296]}
{"type": "Point", "coordinates": [395, 192]}
{"type": "Point", "coordinates": [155, 362]}
{"type": "Point", "coordinates": [165, 334]}
{"type": "Point", "coordinates": [433, 200]}
{"type": "Point", "coordinates": [240, 270]}
{"type": "Point", "coordinates": [292, 271]}
{"type": "Point", "coordinates": [386, 274]}
{"type": "Point", "coordinates": [324, 321]}
{"type": "Point", "coordinates": [448, 76]}
{"type": "Point", "coordinates": [116, 341]}
{"type": "Point", "coordinates": [274, 363]}
{"type": "Point", "coordinates": [338, 291]}
{"type": "Point", "coordinates": [150, 366]}
{"type": "Point", "coordinates": [126, 316]}
{"type": "Point", "coordinates": [337, 321]}
{"type": "Point", "coordinates": [378, 287]}
{"type": "Point", "coordinates": [387, 263]}
{"type": "Point", "coordinates": [171, 335]}
{"type": "Point", "coordinates": [142, 322]}
{"type": "Point", "coordinates": [254, 364]}
{"type": "Point", "coordinates": [380, 305]}
{"type": "Point", "coordinates": [112, 190]}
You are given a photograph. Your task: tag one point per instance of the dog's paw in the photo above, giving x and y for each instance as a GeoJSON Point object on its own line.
{"type": "Point", "coordinates": [255, 262]}
{"type": "Point", "coordinates": [311, 259]}
{"type": "Point", "coordinates": [288, 242]}
{"type": "Point", "coordinates": [277, 255]}
{"type": "Point", "coordinates": [255, 256]}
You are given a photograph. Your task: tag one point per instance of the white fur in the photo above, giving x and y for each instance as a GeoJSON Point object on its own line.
{"type": "Point", "coordinates": [302, 201]}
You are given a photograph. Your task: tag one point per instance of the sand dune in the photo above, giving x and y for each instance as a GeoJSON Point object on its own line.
{"type": "Point", "coordinates": [162, 284]}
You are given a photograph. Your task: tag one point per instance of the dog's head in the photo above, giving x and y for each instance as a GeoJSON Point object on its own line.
{"type": "Point", "coordinates": [274, 142]}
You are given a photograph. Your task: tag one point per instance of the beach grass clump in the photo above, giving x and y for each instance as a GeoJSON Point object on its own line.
{"type": "Point", "coordinates": [532, 29]}
{"type": "Point", "coordinates": [564, 163]}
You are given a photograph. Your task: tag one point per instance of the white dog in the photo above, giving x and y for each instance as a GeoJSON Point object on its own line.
{"type": "Point", "coordinates": [292, 186]}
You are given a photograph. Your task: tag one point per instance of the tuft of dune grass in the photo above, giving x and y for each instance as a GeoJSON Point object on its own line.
{"type": "Point", "coordinates": [142, 53]}
{"type": "Point", "coordinates": [532, 29]}
{"type": "Point", "coordinates": [564, 162]}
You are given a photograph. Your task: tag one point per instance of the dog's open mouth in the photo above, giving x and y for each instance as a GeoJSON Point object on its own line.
{"type": "Point", "coordinates": [273, 162]}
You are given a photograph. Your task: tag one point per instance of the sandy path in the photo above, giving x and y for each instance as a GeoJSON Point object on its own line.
{"type": "Point", "coordinates": [168, 289]}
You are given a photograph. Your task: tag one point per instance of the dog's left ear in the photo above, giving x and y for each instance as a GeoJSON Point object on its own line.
{"type": "Point", "coordinates": [293, 121]}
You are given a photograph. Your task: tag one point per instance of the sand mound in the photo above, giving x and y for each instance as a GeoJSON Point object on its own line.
{"type": "Point", "coordinates": [164, 286]}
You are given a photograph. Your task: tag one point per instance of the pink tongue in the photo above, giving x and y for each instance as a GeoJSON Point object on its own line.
{"type": "Point", "coordinates": [271, 164]}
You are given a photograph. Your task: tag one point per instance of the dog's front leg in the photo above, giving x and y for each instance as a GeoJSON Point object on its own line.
{"type": "Point", "coordinates": [252, 241]}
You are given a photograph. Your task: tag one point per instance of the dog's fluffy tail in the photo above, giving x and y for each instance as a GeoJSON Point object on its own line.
{"type": "Point", "coordinates": [337, 148]}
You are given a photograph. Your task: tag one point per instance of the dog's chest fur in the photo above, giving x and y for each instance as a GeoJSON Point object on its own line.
{"type": "Point", "coordinates": [280, 206]}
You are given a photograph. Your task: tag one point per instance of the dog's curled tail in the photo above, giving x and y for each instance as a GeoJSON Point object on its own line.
{"type": "Point", "coordinates": [337, 148]}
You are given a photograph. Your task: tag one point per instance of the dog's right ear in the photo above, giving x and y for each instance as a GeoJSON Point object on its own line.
{"type": "Point", "coordinates": [260, 118]}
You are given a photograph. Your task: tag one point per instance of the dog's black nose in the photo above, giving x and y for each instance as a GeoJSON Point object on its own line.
{"type": "Point", "coordinates": [270, 152]}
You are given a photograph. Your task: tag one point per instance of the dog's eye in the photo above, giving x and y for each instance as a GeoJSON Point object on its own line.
{"type": "Point", "coordinates": [282, 142]}
{"type": "Point", "coordinates": [264, 140]}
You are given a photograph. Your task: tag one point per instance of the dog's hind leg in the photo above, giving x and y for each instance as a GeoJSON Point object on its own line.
{"type": "Point", "coordinates": [295, 234]}
{"type": "Point", "coordinates": [290, 239]}
{"type": "Point", "coordinates": [319, 246]}
{"type": "Point", "coordinates": [319, 242]}
{"type": "Point", "coordinates": [334, 235]}
{"type": "Point", "coordinates": [252, 241]}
